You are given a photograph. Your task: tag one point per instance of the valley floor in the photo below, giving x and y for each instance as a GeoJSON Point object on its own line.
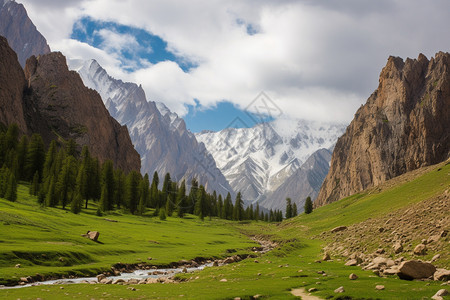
{"type": "Point", "coordinates": [48, 241]}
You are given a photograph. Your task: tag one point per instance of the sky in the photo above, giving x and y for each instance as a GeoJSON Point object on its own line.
{"type": "Point", "coordinates": [210, 60]}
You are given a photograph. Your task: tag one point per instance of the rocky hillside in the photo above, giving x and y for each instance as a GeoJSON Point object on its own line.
{"type": "Point", "coordinates": [403, 126]}
{"type": "Point", "coordinates": [21, 33]}
{"type": "Point", "coordinates": [53, 101]}
{"type": "Point", "coordinates": [160, 136]}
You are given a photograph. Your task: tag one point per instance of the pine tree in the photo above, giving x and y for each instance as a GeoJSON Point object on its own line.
{"type": "Point", "coordinates": [228, 207]}
{"type": "Point", "coordinates": [75, 205]}
{"type": "Point", "coordinates": [71, 148]}
{"type": "Point", "coordinates": [238, 212]}
{"type": "Point", "coordinates": [132, 191]}
{"type": "Point", "coordinates": [181, 199]}
{"type": "Point", "coordinates": [308, 205]}
{"type": "Point", "coordinates": [22, 150]}
{"type": "Point", "coordinates": [12, 137]}
{"type": "Point", "coordinates": [192, 195]}
{"type": "Point", "coordinates": [257, 214]}
{"type": "Point", "coordinates": [50, 198]}
{"type": "Point", "coordinates": [108, 184]}
{"type": "Point", "coordinates": [11, 191]}
{"type": "Point", "coordinates": [288, 208]}
{"type": "Point", "coordinates": [200, 203]}
{"type": "Point", "coordinates": [144, 197]}
{"type": "Point", "coordinates": [162, 214]}
{"type": "Point", "coordinates": [220, 207]}
{"type": "Point", "coordinates": [119, 193]}
{"type": "Point", "coordinates": [35, 156]}
{"type": "Point", "coordinates": [165, 190]}
{"type": "Point", "coordinates": [154, 192]}
{"type": "Point", "coordinates": [294, 210]}
{"type": "Point", "coordinates": [34, 188]}
{"type": "Point", "coordinates": [50, 160]}
{"type": "Point", "coordinates": [67, 181]}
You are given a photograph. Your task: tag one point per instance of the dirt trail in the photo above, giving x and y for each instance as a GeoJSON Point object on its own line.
{"type": "Point", "coordinates": [305, 295]}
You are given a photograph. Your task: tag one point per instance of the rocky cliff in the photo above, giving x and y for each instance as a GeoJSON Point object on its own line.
{"type": "Point", "coordinates": [51, 100]}
{"type": "Point", "coordinates": [69, 109]}
{"type": "Point", "coordinates": [12, 85]}
{"type": "Point", "coordinates": [21, 33]}
{"type": "Point", "coordinates": [404, 125]}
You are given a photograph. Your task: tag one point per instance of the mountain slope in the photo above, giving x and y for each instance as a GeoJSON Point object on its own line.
{"type": "Point", "coordinates": [305, 181]}
{"type": "Point", "coordinates": [21, 33]}
{"type": "Point", "coordinates": [160, 136]}
{"type": "Point", "coordinates": [403, 126]}
{"type": "Point", "coordinates": [257, 160]}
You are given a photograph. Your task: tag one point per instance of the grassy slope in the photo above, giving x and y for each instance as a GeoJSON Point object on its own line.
{"type": "Point", "coordinates": [278, 269]}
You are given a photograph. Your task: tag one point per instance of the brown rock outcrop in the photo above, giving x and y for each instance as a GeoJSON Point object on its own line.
{"type": "Point", "coordinates": [415, 269]}
{"type": "Point", "coordinates": [69, 109]}
{"type": "Point", "coordinates": [12, 85]}
{"type": "Point", "coordinates": [402, 126]}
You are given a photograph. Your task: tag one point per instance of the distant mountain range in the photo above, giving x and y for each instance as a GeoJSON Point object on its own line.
{"type": "Point", "coordinates": [258, 161]}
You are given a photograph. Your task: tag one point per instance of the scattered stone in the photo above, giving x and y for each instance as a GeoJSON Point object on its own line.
{"type": "Point", "coordinates": [131, 288]}
{"type": "Point", "coordinates": [100, 277]}
{"type": "Point", "coordinates": [353, 276]}
{"type": "Point", "coordinates": [391, 271]}
{"type": "Point", "coordinates": [379, 261]}
{"type": "Point", "coordinates": [133, 281]}
{"type": "Point", "coordinates": [256, 261]}
{"type": "Point", "coordinates": [440, 294]}
{"type": "Point", "coordinates": [380, 251]}
{"type": "Point", "coordinates": [311, 290]}
{"type": "Point", "coordinates": [339, 290]}
{"type": "Point", "coordinates": [110, 220]}
{"type": "Point", "coordinates": [17, 266]}
{"type": "Point", "coordinates": [215, 263]}
{"type": "Point", "coordinates": [339, 228]}
{"type": "Point", "coordinates": [435, 258]}
{"type": "Point", "coordinates": [326, 257]}
{"type": "Point", "coordinates": [149, 258]}
{"type": "Point", "coordinates": [184, 270]}
{"type": "Point", "coordinates": [257, 296]}
{"type": "Point", "coordinates": [93, 235]}
{"type": "Point", "coordinates": [118, 281]}
{"type": "Point", "coordinates": [106, 281]}
{"type": "Point", "coordinates": [223, 280]}
{"type": "Point", "coordinates": [433, 238]}
{"type": "Point", "coordinates": [351, 262]}
{"type": "Point", "coordinates": [420, 249]}
{"type": "Point", "coordinates": [415, 269]}
{"type": "Point", "coordinates": [379, 287]}
{"type": "Point", "coordinates": [441, 275]}
{"type": "Point", "coordinates": [398, 247]}
{"type": "Point", "coordinates": [259, 274]}
{"type": "Point", "coordinates": [151, 280]}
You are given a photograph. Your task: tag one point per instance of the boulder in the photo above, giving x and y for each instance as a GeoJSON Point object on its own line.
{"type": "Point", "coordinates": [106, 281]}
{"type": "Point", "coordinates": [353, 276]}
{"type": "Point", "coordinates": [351, 262]}
{"type": "Point", "coordinates": [118, 281]}
{"type": "Point", "coordinates": [133, 281]}
{"type": "Point", "coordinates": [420, 249]}
{"type": "Point", "coordinates": [379, 287]}
{"type": "Point", "coordinates": [339, 290]}
{"type": "Point", "coordinates": [93, 235]}
{"type": "Point", "coordinates": [151, 280]}
{"type": "Point", "coordinates": [441, 275]}
{"type": "Point", "coordinates": [415, 269]}
{"type": "Point", "coordinates": [391, 271]}
{"type": "Point", "coordinates": [339, 228]}
{"type": "Point", "coordinates": [326, 257]}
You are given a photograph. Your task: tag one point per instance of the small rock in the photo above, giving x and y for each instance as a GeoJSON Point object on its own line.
{"type": "Point", "coordinates": [440, 294]}
{"type": "Point", "coordinates": [184, 270]}
{"type": "Point", "coordinates": [420, 249]}
{"type": "Point", "coordinates": [118, 281]}
{"type": "Point", "coordinates": [441, 275]}
{"type": "Point", "coordinates": [353, 276]}
{"type": "Point", "coordinates": [93, 235]}
{"type": "Point", "coordinates": [23, 279]}
{"type": "Point", "coordinates": [131, 288]}
{"type": "Point", "coordinates": [379, 287]}
{"type": "Point", "coordinates": [339, 290]}
{"type": "Point", "coordinates": [398, 247]}
{"type": "Point", "coordinates": [215, 263]}
{"type": "Point", "coordinates": [223, 280]}
{"type": "Point", "coordinates": [149, 258]}
{"type": "Point", "coordinates": [17, 266]}
{"type": "Point", "coordinates": [133, 281]}
{"type": "Point", "coordinates": [326, 257]}
{"type": "Point", "coordinates": [100, 277]}
{"type": "Point", "coordinates": [391, 271]}
{"type": "Point", "coordinates": [435, 258]}
{"type": "Point", "coordinates": [311, 290]}
{"type": "Point", "coordinates": [106, 281]}
{"type": "Point", "coordinates": [256, 261]}
{"type": "Point", "coordinates": [380, 251]}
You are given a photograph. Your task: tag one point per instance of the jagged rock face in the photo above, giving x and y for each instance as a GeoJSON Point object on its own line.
{"type": "Point", "coordinates": [403, 126]}
{"type": "Point", "coordinates": [64, 107]}
{"type": "Point", "coordinates": [160, 136]}
{"type": "Point", "coordinates": [306, 181]}
{"type": "Point", "coordinates": [12, 85]}
{"type": "Point", "coordinates": [21, 33]}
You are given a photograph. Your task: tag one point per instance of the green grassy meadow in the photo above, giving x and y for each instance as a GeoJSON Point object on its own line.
{"type": "Point", "coordinates": [28, 231]}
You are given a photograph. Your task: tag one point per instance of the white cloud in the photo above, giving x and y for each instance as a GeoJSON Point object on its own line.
{"type": "Point", "coordinates": [316, 59]}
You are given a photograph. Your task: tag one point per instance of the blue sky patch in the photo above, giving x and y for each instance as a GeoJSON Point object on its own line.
{"type": "Point", "coordinates": [151, 48]}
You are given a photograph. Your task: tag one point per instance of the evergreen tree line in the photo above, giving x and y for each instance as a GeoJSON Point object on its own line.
{"type": "Point", "coordinates": [291, 208]}
{"type": "Point", "coordinates": [61, 176]}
